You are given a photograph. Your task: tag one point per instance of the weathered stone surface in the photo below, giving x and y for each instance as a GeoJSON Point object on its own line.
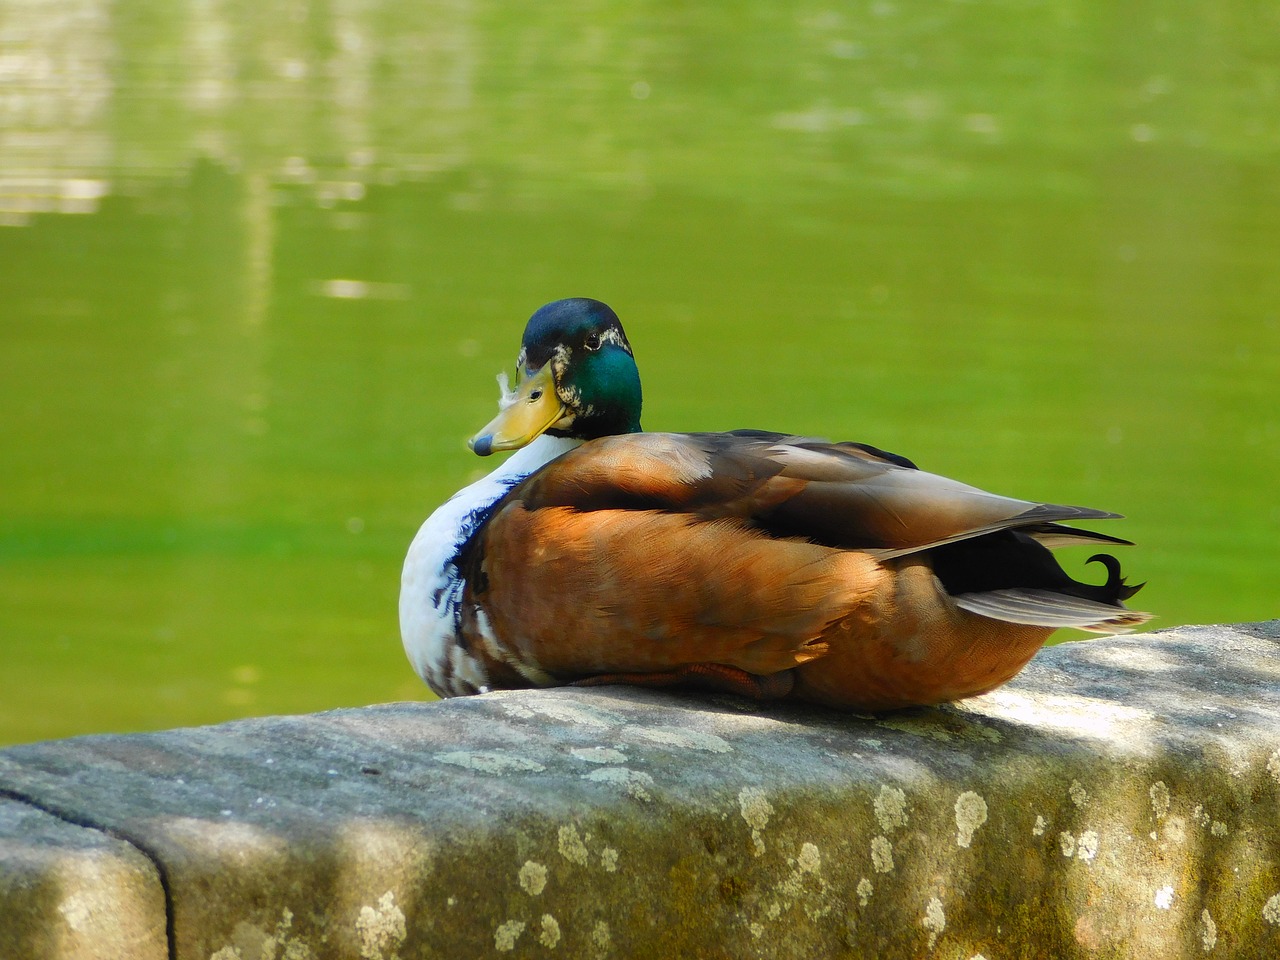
{"type": "Point", "coordinates": [74, 893]}
{"type": "Point", "coordinates": [1119, 799]}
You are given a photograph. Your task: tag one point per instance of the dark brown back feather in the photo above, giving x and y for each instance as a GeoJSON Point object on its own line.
{"type": "Point", "coordinates": [836, 494]}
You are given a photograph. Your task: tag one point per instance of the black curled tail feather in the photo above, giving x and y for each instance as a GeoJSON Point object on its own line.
{"type": "Point", "coordinates": [1115, 589]}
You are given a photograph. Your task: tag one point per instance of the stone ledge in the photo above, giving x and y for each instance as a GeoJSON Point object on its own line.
{"type": "Point", "coordinates": [69, 891]}
{"type": "Point", "coordinates": [1118, 799]}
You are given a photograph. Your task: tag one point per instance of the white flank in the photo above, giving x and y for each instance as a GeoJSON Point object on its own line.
{"type": "Point", "coordinates": [431, 587]}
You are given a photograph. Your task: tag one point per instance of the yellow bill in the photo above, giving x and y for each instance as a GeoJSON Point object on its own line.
{"type": "Point", "coordinates": [533, 409]}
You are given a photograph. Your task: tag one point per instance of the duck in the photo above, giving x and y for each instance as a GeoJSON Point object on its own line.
{"type": "Point", "coordinates": [769, 565]}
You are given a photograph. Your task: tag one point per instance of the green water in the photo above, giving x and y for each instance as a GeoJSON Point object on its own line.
{"type": "Point", "coordinates": [259, 265]}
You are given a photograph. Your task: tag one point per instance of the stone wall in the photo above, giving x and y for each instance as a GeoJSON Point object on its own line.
{"type": "Point", "coordinates": [1118, 799]}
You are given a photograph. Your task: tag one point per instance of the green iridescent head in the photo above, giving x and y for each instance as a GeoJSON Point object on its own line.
{"type": "Point", "coordinates": [578, 378]}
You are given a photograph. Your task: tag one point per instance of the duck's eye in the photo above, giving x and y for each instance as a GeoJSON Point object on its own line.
{"type": "Point", "coordinates": [535, 396]}
{"type": "Point", "coordinates": [592, 342]}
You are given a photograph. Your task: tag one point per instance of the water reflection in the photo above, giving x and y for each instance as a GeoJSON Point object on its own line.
{"type": "Point", "coordinates": [621, 96]}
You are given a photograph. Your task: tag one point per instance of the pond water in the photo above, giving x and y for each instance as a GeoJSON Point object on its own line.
{"type": "Point", "coordinates": [260, 262]}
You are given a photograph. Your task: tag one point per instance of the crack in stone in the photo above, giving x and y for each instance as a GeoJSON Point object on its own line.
{"type": "Point", "coordinates": [86, 823]}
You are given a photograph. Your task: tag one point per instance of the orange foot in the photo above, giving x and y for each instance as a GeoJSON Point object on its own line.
{"type": "Point", "coordinates": [703, 676]}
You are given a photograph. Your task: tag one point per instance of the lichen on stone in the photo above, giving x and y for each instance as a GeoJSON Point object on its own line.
{"type": "Point", "coordinates": [1079, 795]}
{"type": "Point", "coordinates": [601, 935]}
{"type": "Point", "coordinates": [865, 889]}
{"type": "Point", "coordinates": [756, 811]}
{"type": "Point", "coordinates": [636, 783]}
{"type": "Point", "coordinates": [506, 935]}
{"type": "Point", "coordinates": [533, 877]}
{"type": "Point", "coordinates": [882, 854]}
{"type": "Point", "coordinates": [810, 859]}
{"type": "Point", "coordinates": [381, 930]}
{"type": "Point", "coordinates": [935, 920]}
{"type": "Point", "coordinates": [1068, 844]}
{"type": "Point", "coordinates": [1159, 794]}
{"type": "Point", "coordinates": [890, 807]}
{"type": "Point", "coordinates": [1208, 931]}
{"type": "Point", "coordinates": [1087, 845]}
{"type": "Point", "coordinates": [549, 934]}
{"type": "Point", "coordinates": [490, 761]}
{"type": "Point", "coordinates": [599, 755]}
{"type": "Point", "coordinates": [571, 846]}
{"type": "Point", "coordinates": [685, 739]}
{"type": "Point", "coordinates": [971, 813]}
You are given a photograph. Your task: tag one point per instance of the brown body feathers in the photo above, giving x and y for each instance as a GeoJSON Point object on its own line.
{"type": "Point", "coordinates": [843, 572]}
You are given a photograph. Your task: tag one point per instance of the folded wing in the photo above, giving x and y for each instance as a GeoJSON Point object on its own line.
{"type": "Point", "coordinates": [836, 494]}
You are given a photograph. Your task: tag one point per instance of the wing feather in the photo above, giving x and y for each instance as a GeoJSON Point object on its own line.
{"type": "Point", "coordinates": [836, 494]}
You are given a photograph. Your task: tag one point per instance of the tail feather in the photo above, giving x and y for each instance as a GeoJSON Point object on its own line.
{"type": "Point", "coordinates": [1046, 608]}
{"type": "Point", "coordinates": [1056, 535]}
{"type": "Point", "coordinates": [1115, 585]}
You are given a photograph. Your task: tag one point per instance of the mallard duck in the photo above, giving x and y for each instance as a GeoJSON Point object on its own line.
{"type": "Point", "coordinates": [754, 562]}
